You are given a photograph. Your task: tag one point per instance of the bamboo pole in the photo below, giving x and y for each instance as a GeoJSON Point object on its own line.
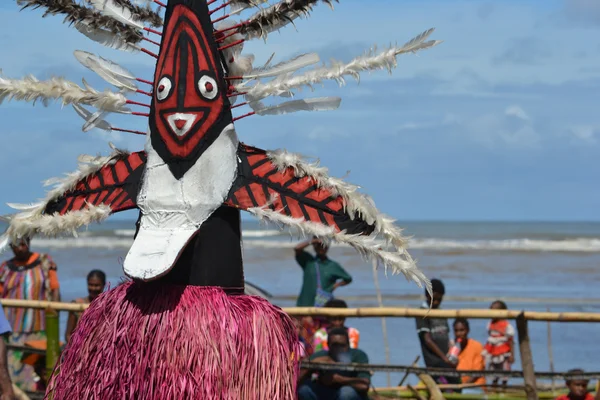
{"type": "Point", "coordinates": [526, 359]}
{"type": "Point", "coordinates": [52, 340]}
{"type": "Point", "coordinates": [383, 321]}
{"type": "Point", "coordinates": [550, 354]}
{"type": "Point", "coordinates": [366, 312]}
{"type": "Point", "coordinates": [434, 391]}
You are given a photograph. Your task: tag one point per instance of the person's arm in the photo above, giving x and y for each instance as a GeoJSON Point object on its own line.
{"type": "Point", "coordinates": [424, 331]}
{"type": "Point", "coordinates": [434, 347]}
{"type": "Point", "coordinates": [303, 257]}
{"type": "Point", "coordinates": [511, 333]}
{"type": "Point", "coordinates": [71, 324]}
{"type": "Point", "coordinates": [54, 284]}
{"type": "Point", "coordinates": [343, 278]}
{"type": "Point", "coordinates": [306, 372]}
{"type": "Point", "coordinates": [361, 382]}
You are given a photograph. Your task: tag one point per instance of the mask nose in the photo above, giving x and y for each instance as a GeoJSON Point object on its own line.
{"type": "Point", "coordinates": [180, 123]}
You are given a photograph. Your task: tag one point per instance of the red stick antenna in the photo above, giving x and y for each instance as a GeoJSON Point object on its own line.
{"type": "Point", "coordinates": [144, 81]}
{"type": "Point", "coordinates": [214, 21]}
{"type": "Point", "coordinates": [138, 103]}
{"type": "Point", "coordinates": [127, 130]}
{"type": "Point", "coordinates": [160, 3]}
{"type": "Point", "coordinates": [151, 41]}
{"type": "Point", "coordinates": [142, 92]}
{"type": "Point", "coordinates": [219, 8]}
{"type": "Point", "coordinates": [231, 44]}
{"type": "Point", "coordinates": [153, 31]}
{"type": "Point", "coordinates": [243, 116]}
{"type": "Point", "coordinates": [149, 53]}
{"type": "Point", "coordinates": [230, 28]}
{"type": "Point", "coordinates": [239, 105]}
{"type": "Point", "coordinates": [139, 114]}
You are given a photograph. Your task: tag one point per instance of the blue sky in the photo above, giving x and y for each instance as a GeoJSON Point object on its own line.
{"type": "Point", "coordinates": [499, 122]}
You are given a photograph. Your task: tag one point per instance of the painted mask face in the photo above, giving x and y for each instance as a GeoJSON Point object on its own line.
{"type": "Point", "coordinates": [189, 106]}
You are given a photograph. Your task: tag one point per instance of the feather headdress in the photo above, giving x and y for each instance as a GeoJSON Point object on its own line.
{"type": "Point", "coordinates": [327, 207]}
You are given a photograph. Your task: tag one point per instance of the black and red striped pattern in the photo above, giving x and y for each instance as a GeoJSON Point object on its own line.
{"type": "Point", "coordinates": [115, 185]}
{"type": "Point", "coordinates": [260, 182]}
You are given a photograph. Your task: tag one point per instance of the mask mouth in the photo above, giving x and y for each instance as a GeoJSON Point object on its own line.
{"type": "Point", "coordinates": [181, 123]}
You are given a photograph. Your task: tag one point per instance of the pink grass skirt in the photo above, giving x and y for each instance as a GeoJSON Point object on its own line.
{"type": "Point", "coordinates": [158, 341]}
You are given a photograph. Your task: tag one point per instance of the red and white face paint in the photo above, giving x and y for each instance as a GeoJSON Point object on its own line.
{"type": "Point", "coordinates": [189, 106]}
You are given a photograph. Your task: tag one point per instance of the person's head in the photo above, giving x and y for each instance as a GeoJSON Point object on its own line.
{"type": "Point", "coordinates": [320, 247]}
{"type": "Point", "coordinates": [338, 342]}
{"type": "Point", "coordinates": [96, 281]}
{"type": "Point", "coordinates": [461, 328]}
{"type": "Point", "coordinates": [437, 293]}
{"type": "Point", "coordinates": [20, 248]}
{"type": "Point", "coordinates": [577, 387]}
{"type": "Point", "coordinates": [498, 305]}
{"type": "Point", "coordinates": [336, 322]}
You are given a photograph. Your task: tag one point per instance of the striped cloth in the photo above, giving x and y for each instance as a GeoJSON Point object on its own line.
{"type": "Point", "coordinates": [32, 280]}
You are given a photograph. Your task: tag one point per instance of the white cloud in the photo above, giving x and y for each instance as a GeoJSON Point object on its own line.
{"type": "Point", "coordinates": [584, 133]}
{"type": "Point", "coordinates": [512, 128]}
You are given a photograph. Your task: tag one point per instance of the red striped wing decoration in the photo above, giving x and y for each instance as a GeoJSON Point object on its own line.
{"type": "Point", "coordinates": [261, 184]}
{"type": "Point", "coordinates": [115, 185]}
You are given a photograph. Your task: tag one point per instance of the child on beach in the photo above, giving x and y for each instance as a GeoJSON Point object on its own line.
{"type": "Point", "coordinates": [499, 349]}
{"type": "Point", "coordinates": [578, 388]}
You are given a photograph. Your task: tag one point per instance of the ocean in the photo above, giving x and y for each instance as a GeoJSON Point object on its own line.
{"type": "Point", "coordinates": [531, 265]}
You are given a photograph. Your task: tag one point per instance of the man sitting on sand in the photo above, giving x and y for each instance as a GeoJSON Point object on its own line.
{"type": "Point", "coordinates": [578, 388]}
{"type": "Point", "coordinates": [339, 385]}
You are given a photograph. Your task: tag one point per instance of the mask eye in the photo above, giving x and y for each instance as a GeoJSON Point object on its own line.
{"type": "Point", "coordinates": [163, 90]}
{"type": "Point", "coordinates": [208, 87]}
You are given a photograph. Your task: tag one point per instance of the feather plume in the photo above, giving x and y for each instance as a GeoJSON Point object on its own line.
{"type": "Point", "coordinates": [284, 84]}
{"type": "Point", "coordinates": [110, 71]}
{"type": "Point", "coordinates": [284, 67]}
{"type": "Point", "coordinates": [143, 13]}
{"type": "Point", "coordinates": [75, 13]}
{"type": "Point", "coordinates": [315, 104]}
{"type": "Point", "coordinates": [106, 38]}
{"type": "Point", "coordinates": [277, 16]}
{"type": "Point", "coordinates": [116, 11]}
{"type": "Point", "coordinates": [31, 90]}
{"type": "Point", "coordinates": [398, 260]}
{"type": "Point", "coordinates": [92, 121]}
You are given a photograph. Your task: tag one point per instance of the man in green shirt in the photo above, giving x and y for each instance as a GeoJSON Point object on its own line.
{"type": "Point", "coordinates": [336, 385]}
{"type": "Point", "coordinates": [317, 269]}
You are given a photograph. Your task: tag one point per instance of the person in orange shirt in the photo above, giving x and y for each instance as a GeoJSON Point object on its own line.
{"type": "Point", "coordinates": [470, 357]}
{"type": "Point", "coordinates": [499, 349]}
{"type": "Point", "coordinates": [578, 388]}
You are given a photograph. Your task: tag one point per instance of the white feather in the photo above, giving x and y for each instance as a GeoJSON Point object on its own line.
{"type": "Point", "coordinates": [106, 38]}
{"type": "Point", "coordinates": [30, 89]}
{"type": "Point", "coordinates": [119, 13]}
{"type": "Point", "coordinates": [4, 242]}
{"type": "Point", "coordinates": [92, 121]}
{"type": "Point", "coordinates": [24, 207]}
{"type": "Point", "coordinates": [284, 67]}
{"type": "Point", "coordinates": [399, 261]}
{"type": "Point", "coordinates": [315, 104]}
{"type": "Point", "coordinates": [284, 84]}
{"type": "Point", "coordinates": [108, 65]}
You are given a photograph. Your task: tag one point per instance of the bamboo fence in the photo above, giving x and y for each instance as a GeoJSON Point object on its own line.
{"type": "Point", "coordinates": [521, 317]}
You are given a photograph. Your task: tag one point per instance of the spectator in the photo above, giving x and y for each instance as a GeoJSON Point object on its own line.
{"type": "Point", "coordinates": [321, 276]}
{"type": "Point", "coordinates": [6, 389]}
{"type": "Point", "coordinates": [320, 337]}
{"type": "Point", "coordinates": [340, 385]}
{"type": "Point", "coordinates": [578, 388]}
{"type": "Point", "coordinates": [470, 357]}
{"type": "Point", "coordinates": [434, 334]}
{"type": "Point", "coordinates": [96, 281]}
{"type": "Point", "coordinates": [499, 349]}
{"type": "Point", "coordinates": [27, 276]}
